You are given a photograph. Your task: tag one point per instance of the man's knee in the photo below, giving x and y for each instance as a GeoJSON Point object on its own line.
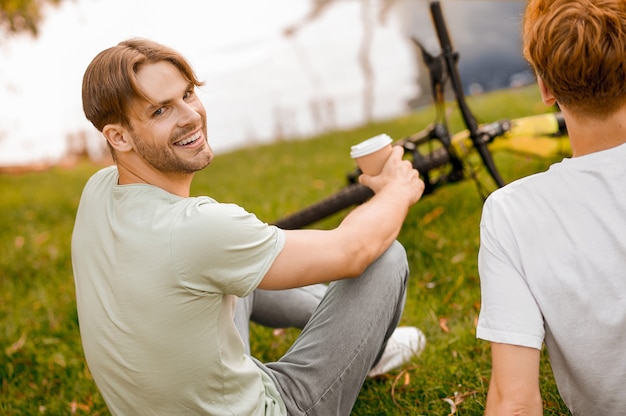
{"type": "Point", "coordinates": [395, 256]}
{"type": "Point", "coordinates": [393, 263]}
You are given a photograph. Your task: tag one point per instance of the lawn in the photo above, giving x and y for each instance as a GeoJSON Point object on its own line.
{"type": "Point", "coordinates": [42, 367]}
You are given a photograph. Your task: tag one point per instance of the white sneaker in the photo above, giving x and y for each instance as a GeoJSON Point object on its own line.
{"type": "Point", "coordinates": [405, 343]}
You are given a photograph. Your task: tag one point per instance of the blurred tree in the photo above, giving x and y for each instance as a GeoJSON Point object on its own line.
{"type": "Point", "coordinates": [19, 16]}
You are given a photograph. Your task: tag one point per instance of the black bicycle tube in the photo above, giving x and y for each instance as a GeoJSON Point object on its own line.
{"type": "Point", "coordinates": [450, 58]}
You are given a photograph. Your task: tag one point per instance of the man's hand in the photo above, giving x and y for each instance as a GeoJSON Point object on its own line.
{"type": "Point", "coordinates": [398, 174]}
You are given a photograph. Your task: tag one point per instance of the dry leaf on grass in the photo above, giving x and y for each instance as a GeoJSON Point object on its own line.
{"type": "Point", "coordinates": [443, 324]}
{"type": "Point", "coordinates": [17, 345]}
{"type": "Point", "coordinates": [432, 215]}
{"type": "Point", "coordinates": [75, 407]}
{"type": "Point", "coordinates": [456, 400]}
{"type": "Point", "coordinates": [279, 332]}
{"type": "Point", "coordinates": [457, 258]}
{"type": "Point", "coordinates": [403, 375]}
{"type": "Point", "coordinates": [19, 241]}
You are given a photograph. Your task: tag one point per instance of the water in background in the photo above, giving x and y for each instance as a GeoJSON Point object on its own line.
{"type": "Point", "coordinates": [260, 84]}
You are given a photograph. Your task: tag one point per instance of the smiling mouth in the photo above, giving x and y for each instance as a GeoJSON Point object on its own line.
{"type": "Point", "coordinates": [189, 140]}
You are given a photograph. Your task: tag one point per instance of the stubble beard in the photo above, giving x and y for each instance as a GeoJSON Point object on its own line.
{"type": "Point", "coordinates": [163, 159]}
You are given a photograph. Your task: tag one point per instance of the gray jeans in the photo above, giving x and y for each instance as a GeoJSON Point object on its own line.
{"type": "Point", "coordinates": [350, 322]}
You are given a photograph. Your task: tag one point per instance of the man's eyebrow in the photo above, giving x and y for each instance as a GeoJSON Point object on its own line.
{"type": "Point", "coordinates": [153, 106]}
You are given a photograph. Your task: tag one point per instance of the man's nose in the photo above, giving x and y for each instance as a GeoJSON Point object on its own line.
{"type": "Point", "coordinates": [190, 113]}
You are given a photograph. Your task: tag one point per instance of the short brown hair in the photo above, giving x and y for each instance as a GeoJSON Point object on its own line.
{"type": "Point", "coordinates": [578, 48]}
{"type": "Point", "coordinates": [110, 81]}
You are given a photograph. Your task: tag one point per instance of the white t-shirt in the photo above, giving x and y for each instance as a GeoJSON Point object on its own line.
{"type": "Point", "coordinates": [157, 277]}
{"type": "Point", "coordinates": [552, 265]}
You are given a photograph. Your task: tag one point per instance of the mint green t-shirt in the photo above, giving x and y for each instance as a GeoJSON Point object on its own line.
{"type": "Point", "coordinates": [157, 278]}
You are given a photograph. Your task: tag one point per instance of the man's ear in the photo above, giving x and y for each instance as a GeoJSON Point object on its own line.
{"type": "Point", "coordinates": [118, 137]}
{"type": "Point", "coordinates": [546, 94]}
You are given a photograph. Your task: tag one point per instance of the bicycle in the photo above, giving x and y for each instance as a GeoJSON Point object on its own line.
{"type": "Point", "coordinates": [448, 159]}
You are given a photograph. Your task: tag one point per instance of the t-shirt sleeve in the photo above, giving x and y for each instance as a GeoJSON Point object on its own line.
{"type": "Point", "coordinates": [222, 248]}
{"type": "Point", "coordinates": [509, 313]}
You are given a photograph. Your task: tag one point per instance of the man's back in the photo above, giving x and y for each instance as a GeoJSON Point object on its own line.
{"type": "Point", "coordinates": [553, 250]}
{"type": "Point", "coordinates": [157, 329]}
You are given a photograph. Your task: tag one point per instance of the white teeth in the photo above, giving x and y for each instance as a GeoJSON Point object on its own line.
{"type": "Point", "coordinates": [189, 139]}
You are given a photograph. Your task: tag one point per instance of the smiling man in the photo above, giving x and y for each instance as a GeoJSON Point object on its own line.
{"type": "Point", "coordinates": [166, 283]}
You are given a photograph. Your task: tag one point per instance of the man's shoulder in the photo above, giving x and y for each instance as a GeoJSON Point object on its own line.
{"type": "Point", "coordinates": [106, 175]}
{"type": "Point", "coordinates": [207, 211]}
{"type": "Point", "coordinates": [535, 184]}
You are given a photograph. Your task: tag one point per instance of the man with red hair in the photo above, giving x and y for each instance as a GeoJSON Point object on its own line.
{"type": "Point", "coordinates": [552, 259]}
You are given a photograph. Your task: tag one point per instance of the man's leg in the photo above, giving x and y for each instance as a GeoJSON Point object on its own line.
{"type": "Point", "coordinates": [277, 309]}
{"type": "Point", "coordinates": [286, 308]}
{"type": "Point", "coordinates": [323, 371]}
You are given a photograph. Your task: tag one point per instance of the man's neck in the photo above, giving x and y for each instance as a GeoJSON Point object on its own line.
{"type": "Point", "coordinates": [174, 183]}
{"type": "Point", "coordinates": [589, 135]}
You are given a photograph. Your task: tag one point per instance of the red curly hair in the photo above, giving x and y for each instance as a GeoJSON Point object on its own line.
{"type": "Point", "coordinates": [578, 49]}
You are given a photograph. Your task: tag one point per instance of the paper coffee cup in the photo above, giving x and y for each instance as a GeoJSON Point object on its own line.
{"type": "Point", "coordinates": [371, 154]}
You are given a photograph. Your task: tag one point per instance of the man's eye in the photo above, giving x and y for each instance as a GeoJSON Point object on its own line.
{"type": "Point", "coordinates": [158, 112]}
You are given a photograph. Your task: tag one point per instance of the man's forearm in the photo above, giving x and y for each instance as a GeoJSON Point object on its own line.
{"type": "Point", "coordinates": [514, 387]}
{"type": "Point", "coordinates": [377, 222]}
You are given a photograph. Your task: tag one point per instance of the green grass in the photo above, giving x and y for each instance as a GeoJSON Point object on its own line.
{"type": "Point", "coordinates": [42, 366]}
